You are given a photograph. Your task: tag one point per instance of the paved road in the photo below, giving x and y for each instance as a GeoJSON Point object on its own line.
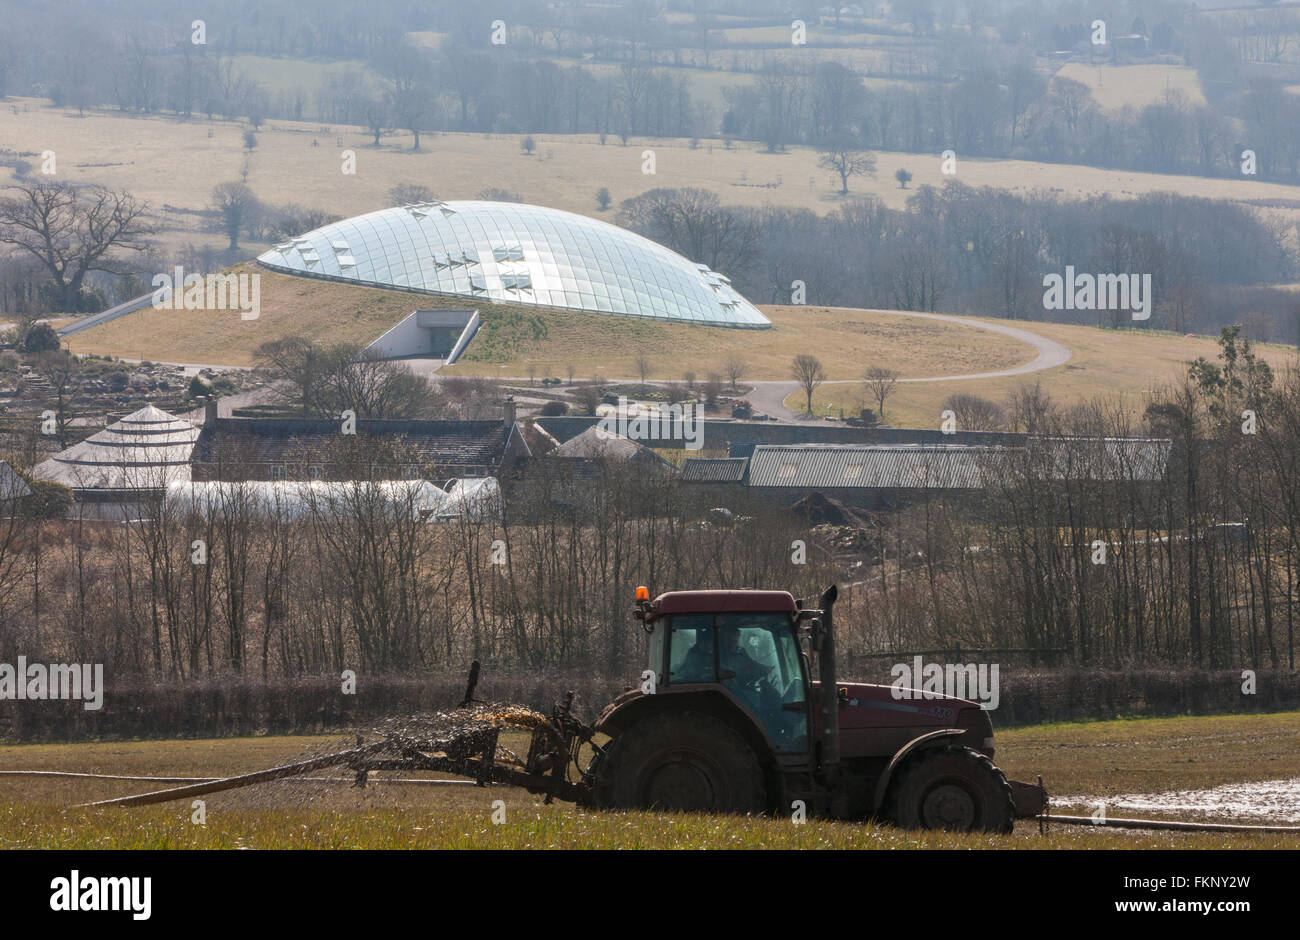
{"type": "Point", "coordinates": [769, 397]}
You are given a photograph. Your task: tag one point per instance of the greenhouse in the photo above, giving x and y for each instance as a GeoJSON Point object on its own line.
{"type": "Point", "coordinates": [513, 253]}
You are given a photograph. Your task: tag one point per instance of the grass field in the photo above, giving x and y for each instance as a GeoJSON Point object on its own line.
{"type": "Point", "coordinates": [171, 163]}
{"type": "Point", "coordinates": [1096, 758]}
{"type": "Point", "coordinates": [1118, 86]}
{"type": "Point", "coordinates": [512, 336]}
{"type": "Point", "coordinates": [324, 312]}
{"type": "Point", "coordinates": [845, 340]}
{"type": "Point", "coordinates": [1127, 364]}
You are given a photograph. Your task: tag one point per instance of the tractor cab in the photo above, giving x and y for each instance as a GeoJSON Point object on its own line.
{"type": "Point", "coordinates": [744, 642]}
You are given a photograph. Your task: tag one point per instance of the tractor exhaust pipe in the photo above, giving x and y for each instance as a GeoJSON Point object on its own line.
{"type": "Point", "coordinates": [829, 689]}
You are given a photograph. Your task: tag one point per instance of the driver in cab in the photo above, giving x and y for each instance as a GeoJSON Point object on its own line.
{"type": "Point", "coordinates": [750, 675]}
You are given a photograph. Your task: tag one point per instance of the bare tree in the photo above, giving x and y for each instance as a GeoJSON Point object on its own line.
{"type": "Point", "coordinates": [587, 395]}
{"type": "Point", "coordinates": [880, 385]}
{"type": "Point", "coordinates": [374, 388]}
{"type": "Point", "coordinates": [73, 232]}
{"type": "Point", "coordinates": [1024, 87]}
{"type": "Point", "coordinates": [693, 222]}
{"type": "Point", "coordinates": [60, 369]}
{"type": "Point", "coordinates": [236, 203]}
{"type": "Point", "coordinates": [975, 413]}
{"type": "Point", "coordinates": [808, 372]}
{"type": "Point", "coordinates": [406, 193]}
{"type": "Point", "coordinates": [298, 370]}
{"type": "Point", "coordinates": [643, 368]}
{"type": "Point", "coordinates": [842, 156]}
{"type": "Point", "coordinates": [1071, 99]}
{"type": "Point", "coordinates": [712, 389]}
{"type": "Point", "coordinates": [376, 112]}
{"type": "Point", "coordinates": [735, 370]}
{"type": "Point", "coordinates": [411, 93]}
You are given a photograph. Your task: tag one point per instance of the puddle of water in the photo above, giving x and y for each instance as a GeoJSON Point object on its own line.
{"type": "Point", "coordinates": [1274, 800]}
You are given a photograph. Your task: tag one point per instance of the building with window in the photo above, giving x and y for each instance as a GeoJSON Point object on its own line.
{"type": "Point", "coordinates": [520, 254]}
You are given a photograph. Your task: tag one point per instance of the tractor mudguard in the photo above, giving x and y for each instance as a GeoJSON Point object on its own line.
{"type": "Point", "coordinates": [911, 747]}
{"type": "Point", "coordinates": [607, 721]}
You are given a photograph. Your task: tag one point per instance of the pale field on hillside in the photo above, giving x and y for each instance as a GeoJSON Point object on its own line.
{"type": "Point", "coordinates": [168, 162]}
{"type": "Point", "coordinates": [1119, 365]}
{"type": "Point", "coordinates": [323, 312]}
{"type": "Point", "coordinates": [508, 343]}
{"type": "Point", "coordinates": [1115, 86]}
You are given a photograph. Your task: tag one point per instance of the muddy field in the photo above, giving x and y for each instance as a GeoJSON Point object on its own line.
{"type": "Point", "coordinates": [1238, 769]}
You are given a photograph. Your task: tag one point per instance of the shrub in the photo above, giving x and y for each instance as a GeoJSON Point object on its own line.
{"type": "Point", "coordinates": [41, 338]}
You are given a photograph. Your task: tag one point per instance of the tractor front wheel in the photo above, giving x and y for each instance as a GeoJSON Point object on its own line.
{"type": "Point", "coordinates": [683, 761]}
{"type": "Point", "coordinates": [952, 788]}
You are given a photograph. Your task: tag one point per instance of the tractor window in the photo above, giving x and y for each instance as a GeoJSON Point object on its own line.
{"type": "Point", "coordinates": [758, 660]}
{"type": "Point", "coordinates": [691, 649]}
{"type": "Point", "coordinates": [655, 661]}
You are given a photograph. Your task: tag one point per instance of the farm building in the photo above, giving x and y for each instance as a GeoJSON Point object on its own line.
{"type": "Point", "coordinates": [305, 449]}
{"type": "Point", "coordinates": [598, 444]}
{"type": "Point", "coordinates": [877, 475]}
{"type": "Point", "coordinates": [142, 453]}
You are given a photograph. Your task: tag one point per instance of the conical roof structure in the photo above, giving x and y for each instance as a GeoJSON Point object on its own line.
{"type": "Point", "coordinates": [146, 450]}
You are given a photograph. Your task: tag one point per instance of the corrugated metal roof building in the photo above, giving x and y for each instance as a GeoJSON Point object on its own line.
{"type": "Point", "coordinates": [884, 474]}
{"type": "Point", "coordinates": [890, 466]}
{"type": "Point", "coordinates": [1137, 460]}
{"type": "Point", "coordinates": [714, 469]}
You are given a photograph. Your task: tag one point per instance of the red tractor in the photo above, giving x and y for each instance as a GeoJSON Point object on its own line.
{"type": "Point", "coordinates": [730, 719]}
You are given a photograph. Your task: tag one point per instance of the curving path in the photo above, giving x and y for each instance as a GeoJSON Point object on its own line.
{"type": "Point", "coordinates": [769, 396]}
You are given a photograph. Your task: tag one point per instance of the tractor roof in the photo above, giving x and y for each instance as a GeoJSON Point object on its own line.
{"type": "Point", "coordinates": [715, 602]}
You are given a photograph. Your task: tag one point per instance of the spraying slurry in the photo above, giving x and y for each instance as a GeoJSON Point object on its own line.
{"type": "Point", "coordinates": [1274, 800]}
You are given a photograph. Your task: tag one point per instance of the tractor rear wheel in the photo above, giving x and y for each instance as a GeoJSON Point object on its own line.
{"type": "Point", "coordinates": [681, 761]}
{"type": "Point", "coordinates": [953, 788]}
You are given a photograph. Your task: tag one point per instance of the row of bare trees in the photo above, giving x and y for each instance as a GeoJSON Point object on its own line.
{"type": "Point", "coordinates": [961, 249]}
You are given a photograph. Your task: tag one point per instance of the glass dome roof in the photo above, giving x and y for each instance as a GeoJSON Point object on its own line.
{"type": "Point", "coordinates": [521, 254]}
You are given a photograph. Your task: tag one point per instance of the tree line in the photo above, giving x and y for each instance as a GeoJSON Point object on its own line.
{"type": "Point", "coordinates": [963, 249]}
{"type": "Point", "coordinates": [981, 98]}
